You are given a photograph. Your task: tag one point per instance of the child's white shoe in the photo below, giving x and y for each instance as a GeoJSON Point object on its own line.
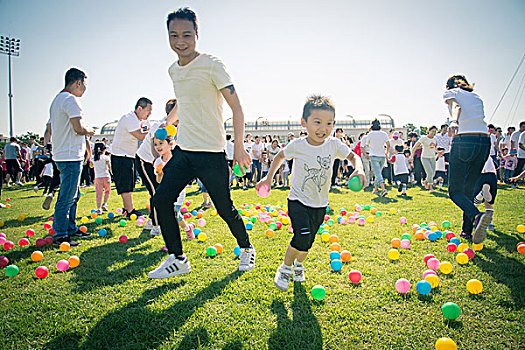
{"type": "Point", "coordinates": [247, 259]}
{"type": "Point", "coordinates": [282, 277]}
{"type": "Point", "coordinates": [148, 225]}
{"type": "Point", "coordinates": [171, 266]}
{"type": "Point", "coordinates": [156, 231]}
{"type": "Point", "coordinates": [298, 273]}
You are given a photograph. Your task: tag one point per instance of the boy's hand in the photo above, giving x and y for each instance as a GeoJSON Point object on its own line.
{"type": "Point", "coordinates": [361, 174]}
{"type": "Point", "coordinates": [241, 157]}
{"type": "Point", "coordinates": [264, 181]}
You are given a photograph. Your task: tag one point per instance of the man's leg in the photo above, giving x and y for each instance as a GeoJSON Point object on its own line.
{"type": "Point", "coordinates": [67, 198]}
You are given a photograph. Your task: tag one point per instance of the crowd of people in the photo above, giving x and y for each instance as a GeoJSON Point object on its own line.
{"type": "Point", "coordinates": [190, 144]}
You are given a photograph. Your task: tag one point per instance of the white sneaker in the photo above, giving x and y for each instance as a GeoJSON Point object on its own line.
{"type": "Point", "coordinates": [171, 266]}
{"type": "Point", "coordinates": [487, 196]}
{"type": "Point", "coordinates": [35, 189]}
{"type": "Point", "coordinates": [155, 231]}
{"type": "Point", "coordinates": [47, 202]}
{"type": "Point", "coordinates": [298, 273]}
{"type": "Point", "coordinates": [282, 277]}
{"type": "Point", "coordinates": [19, 183]}
{"type": "Point", "coordinates": [2, 205]}
{"type": "Point", "coordinates": [148, 225]}
{"type": "Point", "coordinates": [247, 259]}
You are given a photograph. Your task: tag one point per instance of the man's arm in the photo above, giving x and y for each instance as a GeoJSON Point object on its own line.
{"type": "Point", "coordinates": [173, 116]}
{"type": "Point", "coordinates": [47, 136]}
{"type": "Point", "coordinates": [357, 164]}
{"type": "Point", "coordinates": [455, 111]}
{"type": "Point", "coordinates": [79, 127]}
{"type": "Point", "coordinates": [240, 155]}
{"type": "Point", "coordinates": [138, 134]}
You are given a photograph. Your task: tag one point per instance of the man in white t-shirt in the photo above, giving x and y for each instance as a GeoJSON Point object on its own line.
{"type": "Point", "coordinates": [68, 137]}
{"type": "Point", "coordinates": [256, 154]}
{"type": "Point", "coordinates": [125, 144]}
{"type": "Point", "coordinates": [521, 150]}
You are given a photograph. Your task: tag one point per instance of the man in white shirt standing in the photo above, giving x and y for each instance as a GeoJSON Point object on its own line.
{"type": "Point", "coordinates": [68, 137]}
{"type": "Point", "coordinates": [123, 150]}
{"type": "Point", "coordinates": [520, 146]}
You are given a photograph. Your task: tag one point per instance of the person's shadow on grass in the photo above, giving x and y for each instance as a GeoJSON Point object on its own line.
{"type": "Point", "coordinates": [302, 331]}
{"type": "Point", "coordinates": [137, 325]}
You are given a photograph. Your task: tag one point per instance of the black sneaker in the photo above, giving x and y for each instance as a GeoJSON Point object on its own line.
{"type": "Point", "coordinates": [81, 234]}
{"type": "Point", "coordinates": [465, 235]}
{"type": "Point", "coordinates": [481, 224]}
{"type": "Point", "coordinates": [59, 241]}
{"type": "Point", "coordinates": [134, 211]}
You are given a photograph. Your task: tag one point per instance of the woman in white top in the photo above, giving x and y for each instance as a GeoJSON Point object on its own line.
{"type": "Point", "coordinates": [378, 146]}
{"type": "Point", "coordinates": [469, 151]}
{"type": "Point", "coordinates": [428, 155]}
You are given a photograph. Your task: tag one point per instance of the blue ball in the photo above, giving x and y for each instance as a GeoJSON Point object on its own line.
{"type": "Point", "coordinates": [237, 251]}
{"type": "Point", "coordinates": [196, 231]}
{"type": "Point", "coordinates": [423, 287]}
{"type": "Point", "coordinates": [433, 236]}
{"type": "Point", "coordinates": [337, 265]}
{"type": "Point", "coordinates": [249, 225]}
{"type": "Point", "coordinates": [455, 240]}
{"type": "Point", "coordinates": [111, 215]}
{"type": "Point", "coordinates": [194, 213]}
{"type": "Point", "coordinates": [161, 134]}
{"type": "Point", "coordinates": [439, 234]}
{"type": "Point", "coordinates": [93, 211]}
{"type": "Point", "coordinates": [335, 255]}
{"type": "Point", "coordinates": [102, 232]}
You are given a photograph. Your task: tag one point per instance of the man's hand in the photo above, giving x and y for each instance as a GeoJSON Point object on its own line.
{"type": "Point", "coordinates": [362, 178]}
{"type": "Point", "coordinates": [241, 157]}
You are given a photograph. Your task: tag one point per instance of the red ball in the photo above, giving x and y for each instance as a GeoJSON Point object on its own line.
{"type": "Point", "coordinates": [355, 276]}
{"type": "Point", "coordinates": [40, 242]}
{"type": "Point", "coordinates": [326, 218]}
{"type": "Point", "coordinates": [41, 272]}
{"type": "Point", "coordinates": [48, 240]}
{"type": "Point", "coordinates": [123, 239]}
{"type": "Point", "coordinates": [30, 233]}
{"type": "Point", "coordinates": [450, 235]}
{"type": "Point", "coordinates": [343, 212]}
{"type": "Point", "coordinates": [23, 242]}
{"type": "Point", "coordinates": [470, 253]}
{"type": "Point", "coordinates": [47, 226]}
{"type": "Point", "coordinates": [8, 199]}
{"type": "Point", "coordinates": [428, 257]}
{"type": "Point", "coordinates": [8, 245]}
{"type": "Point", "coordinates": [451, 247]}
{"type": "Point", "coordinates": [3, 261]}
{"type": "Point", "coordinates": [51, 231]}
{"type": "Point", "coordinates": [279, 225]}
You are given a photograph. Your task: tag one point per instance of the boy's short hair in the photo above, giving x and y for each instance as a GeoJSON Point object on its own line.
{"type": "Point", "coordinates": [440, 149]}
{"type": "Point", "coordinates": [170, 105]}
{"type": "Point", "coordinates": [399, 148]}
{"type": "Point", "coordinates": [73, 75]}
{"type": "Point", "coordinates": [317, 102]}
{"type": "Point", "coordinates": [406, 151]}
{"type": "Point", "coordinates": [143, 102]}
{"type": "Point", "coordinates": [339, 130]}
{"type": "Point", "coordinates": [184, 13]}
{"type": "Point", "coordinates": [504, 149]}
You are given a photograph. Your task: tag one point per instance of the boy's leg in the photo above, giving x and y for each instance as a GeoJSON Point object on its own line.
{"type": "Point", "coordinates": [147, 174]}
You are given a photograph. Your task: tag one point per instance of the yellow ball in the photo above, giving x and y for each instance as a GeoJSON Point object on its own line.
{"type": "Point", "coordinates": [202, 237]}
{"type": "Point", "coordinates": [462, 258]}
{"type": "Point", "coordinates": [172, 130]}
{"type": "Point", "coordinates": [462, 247]}
{"type": "Point", "coordinates": [21, 217]}
{"type": "Point", "coordinates": [286, 220]}
{"type": "Point", "coordinates": [370, 219]}
{"type": "Point", "coordinates": [64, 246]}
{"type": "Point", "coordinates": [474, 286]}
{"type": "Point", "coordinates": [445, 267]}
{"type": "Point", "coordinates": [477, 247]}
{"type": "Point", "coordinates": [213, 212]}
{"type": "Point", "coordinates": [520, 228]}
{"type": "Point", "coordinates": [392, 211]}
{"type": "Point", "coordinates": [446, 344]}
{"type": "Point", "coordinates": [433, 280]}
{"type": "Point", "coordinates": [393, 254]}
{"type": "Point", "coordinates": [325, 237]}
{"type": "Point", "coordinates": [2, 223]}
{"type": "Point", "coordinates": [433, 228]}
{"type": "Point", "coordinates": [84, 220]}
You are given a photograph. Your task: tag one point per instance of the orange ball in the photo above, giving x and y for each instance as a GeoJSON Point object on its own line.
{"type": "Point", "coordinates": [83, 229]}
{"type": "Point", "coordinates": [74, 261]}
{"type": "Point", "coordinates": [219, 248]}
{"type": "Point", "coordinates": [270, 233]}
{"type": "Point", "coordinates": [94, 215]}
{"type": "Point", "coordinates": [37, 255]}
{"type": "Point", "coordinates": [64, 246]}
{"type": "Point", "coordinates": [521, 248]}
{"type": "Point", "coordinates": [199, 215]}
{"type": "Point", "coordinates": [420, 236]}
{"type": "Point", "coordinates": [335, 246]}
{"type": "Point", "coordinates": [373, 210]}
{"type": "Point", "coordinates": [333, 239]}
{"type": "Point", "coordinates": [396, 242]}
{"type": "Point", "coordinates": [8, 205]}
{"type": "Point", "coordinates": [346, 256]}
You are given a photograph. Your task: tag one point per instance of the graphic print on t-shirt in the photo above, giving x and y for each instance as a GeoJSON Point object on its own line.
{"type": "Point", "coordinates": [318, 175]}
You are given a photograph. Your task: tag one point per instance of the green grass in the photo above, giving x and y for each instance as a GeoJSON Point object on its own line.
{"type": "Point", "coordinates": [108, 302]}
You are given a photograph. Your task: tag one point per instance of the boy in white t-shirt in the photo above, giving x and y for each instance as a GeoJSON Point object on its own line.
{"type": "Point", "coordinates": [401, 172]}
{"type": "Point", "coordinates": [313, 158]}
{"type": "Point", "coordinates": [441, 167]}
{"type": "Point", "coordinates": [47, 176]}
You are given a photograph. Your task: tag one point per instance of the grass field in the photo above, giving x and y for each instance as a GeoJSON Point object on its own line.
{"type": "Point", "coordinates": [108, 302]}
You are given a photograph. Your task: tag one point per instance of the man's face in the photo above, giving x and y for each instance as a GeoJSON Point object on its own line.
{"type": "Point", "coordinates": [143, 113]}
{"type": "Point", "coordinates": [79, 87]}
{"type": "Point", "coordinates": [183, 38]}
{"type": "Point", "coordinates": [444, 130]}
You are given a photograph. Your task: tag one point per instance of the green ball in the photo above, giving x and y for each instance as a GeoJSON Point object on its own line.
{"type": "Point", "coordinates": [122, 223]}
{"type": "Point", "coordinates": [328, 209]}
{"type": "Point", "coordinates": [330, 222]}
{"type": "Point", "coordinates": [362, 217]}
{"type": "Point", "coordinates": [406, 236]}
{"type": "Point", "coordinates": [446, 224]}
{"type": "Point", "coordinates": [354, 184]}
{"type": "Point", "coordinates": [253, 219]}
{"type": "Point", "coordinates": [12, 271]}
{"type": "Point", "coordinates": [378, 213]}
{"type": "Point", "coordinates": [98, 221]}
{"type": "Point", "coordinates": [273, 226]}
{"type": "Point", "coordinates": [318, 292]}
{"type": "Point", "coordinates": [211, 251]}
{"type": "Point", "coordinates": [366, 207]}
{"type": "Point", "coordinates": [450, 310]}
{"type": "Point", "coordinates": [240, 211]}
{"type": "Point", "coordinates": [237, 170]}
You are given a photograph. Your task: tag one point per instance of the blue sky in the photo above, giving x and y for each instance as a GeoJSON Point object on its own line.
{"type": "Point", "coordinates": [371, 57]}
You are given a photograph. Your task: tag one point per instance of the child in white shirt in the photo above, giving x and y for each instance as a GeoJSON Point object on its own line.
{"type": "Point", "coordinates": [441, 168]}
{"type": "Point", "coordinates": [400, 169]}
{"type": "Point", "coordinates": [47, 176]}
{"type": "Point", "coordinates": [102, 165]}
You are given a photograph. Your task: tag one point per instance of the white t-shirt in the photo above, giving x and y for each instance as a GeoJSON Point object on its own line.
{"type": "Point", "coordinates": [67, 144]}
{"type": "Point", "coordinates": [145, 151]}
{"type": "Point", "coordinates": [48, 169]}
{"type": "Point", "coordinates": [471, 118]}
{"type": "Point", "coordinates": [429, 147]}
{"type": "Point", "coordinates": [124, 143]}
{"type": "Point", "coordinates": [257, 149]}
{"type": "Point", "coordinates": [34, 147]}
{"type": "Point", "coordinates": [312, 169]}
{"type": "Point", "coordinates": [493, 141]}
{"type": "Point", "coordinates": [489, 167]}
{"type": "Point", "coordinates": [101, 166]}
{"type": "Point", "coordinates": [521, 153]}
{"type": "Point", "coordinates": [376, 141]}
{"type": "Point", "coordinates": [229, 150]}
{"type": "Point", "coordinates": [273, 152]}
{"type": "Point", "coordinates": [506, 141]}
{"type": "Point", "coordinates": [443, 141]}
{"type": "Point", "coordinates": [248, 148]}
{"type": "Point", "coordinates": [393, 144]}
{"type": "Point", "coordinates": [197, 87]}
{"type": "Point", "coordinates": [515, 139]}
{"type": "Point", "coordinates": [440, 164]}
{"type": "Point", "coordinates": [400, 164]}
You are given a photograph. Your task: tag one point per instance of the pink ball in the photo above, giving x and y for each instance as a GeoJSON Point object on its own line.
{"type": "Point", "coordinates": [433, 263]}
{"type": "Point", "coordinates": [450, 235]}
{"type": "Point", "coordinates": [290, 229]}
{"type": "Point", "coordinates": [355, 276]}
{"type": "Point", "coordinates": [40, 242]}
{"type": "Point", "coordinates": [201, 222]}
{"type": "Point", "coordinates": [8, 245]}
{"type": "Point", "coordinates": [402, 286]}
{"type": "Point", "coordinates": [470, 253]}
{"type": "Point", "coordinates": [405, 243]}
{"type": "Point", "coordinates": [118, 210]}
{"type": "Point", "coordinates": [263, 191]}
{"type": "Point", "coordinates": [62, 265]}
{"type": "Point", "coordinates": [42, 271]}
{"type": "Point", "coordinates": [183, 210]}
{"type": "Point", "coordinates": [164, 249]}
{"type": "Point", "coordinates": [3, 261]}
{"type": "Point", "coordinates": [429, 272]}
{"type": "Point", "coordinates": [8, 199]}
{"type": "Point", "coordinates": [351, 219]}
{"type": "Point", "coordinates": [402, 220]}
{"type": "Point", "coordinates": [30, 233]}
{"type": "Point", "coordinates": [358, 208]}
{"type": "Point", "coordinates": [451, 247]}
{"type": "Point", "coordinates": [23, 242]}
{"type": "Point", "coordinates": [428, 257]}
{"type": "Point", "coordinates": [361, 222]}
{"type": "Point", "coordinates": [48, 240]}
{"type": "Point", "coordinates": [426, 233]}
{"type": "Point", "coordinates": [343, 221]}
{"type": "Point", "coordinates": [356, 215]}
{"type": "Point", "coordinates": [123, 239]}
{"type": "Point", "coordinates": [2, 235]}
{"type": "Point", "coordinates": [2, 240]}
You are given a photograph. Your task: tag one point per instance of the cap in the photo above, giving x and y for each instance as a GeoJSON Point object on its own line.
{"type": "Point", "coordinates": [513, 151]}
{"type": "Point", "coordinates": [395, 134]}
{"type": "Point", "coordinates": [290, 134]}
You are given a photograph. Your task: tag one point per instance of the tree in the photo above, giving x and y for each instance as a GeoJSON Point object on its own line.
{"type": "Point", "coordinates": [25, 137]}
{"type": "Point", "coordinates": [410, 127]}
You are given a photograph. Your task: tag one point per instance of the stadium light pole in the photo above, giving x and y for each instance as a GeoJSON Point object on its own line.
{"type": "Point", "coordinates": [10, 47]}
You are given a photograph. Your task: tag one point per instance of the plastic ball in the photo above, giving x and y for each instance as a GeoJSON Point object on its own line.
{"type": "Point", "coordinates": [62, 265]}
{"type": "Point", "coordinates": [450, 310]}
{"type": "Point", "coordinates": [361, 222]}
{"type": "Point", "coordinates": [21, 217]}
{"type": "Point", "coordinates": [202, 237]}
{"type": "Point", "coordinates": [445, 267]}
{"type": "Point", "coordinates": [330, 222]}
{"type": "Point", "coordinates": [64, 246]}
{"type": "Point", "coordinates": [396, 242]}
{"type": "Point", "coordinates": [449, 235]}
{"type": "Point", "coordinates": [335, 255]}
{"type": "Point", "coordinates": [201, 222]}
{"type": "Point", "coordinates": [335, 246]}
{"type": "Point", "coordinates": [433, 280]}
{"type": "Point", "coordinates": [133, 217]}
{"type": "Point", "coordinates": [520, 228]}
{"type": "Point", "coordinates": [336, 264]}
{"type": "Point", "coordinates": [402, 220]}
{"type": "Point", "coordinates": [4, 261]}
{"type": "Point", "coordinates": [111, 215]}
{"type": "Point", "coordinates": [270, 233]}
{"type": "Point", "coordinates": [445, 344]}
{"type": "Point", "coordinates": [402, 286]}
{"type": "Point", "coordinates": [521, 247]}
{"type": "Point", "coordinates": [455, 241]}
{"type": "Point", "coordinates": [2, 241]}
{"type": "Point", "coordinates": [123, 239]}
{"type": "Point", "coordinates": [462, 258]}
{"type": "Point", "coordinates": [405, 244]}
{"type": "Point", "coordinates": [318, 292]}
{"type": "Point", "coordinates": [433, 263]}
{"type": "Point", "coordinates": [94, 215]}
{"type": "Point", "coordinates": [48, 240]}
{"type": "Point", "coordinates": [423, 287]}
{"type": "Point", "coordinates": [429, 272]}
{"type": "Point", "coordinates": [263, 191]}
{"type": "Point", "coordinates": [393, 254]}
{"type": "Point", "coordinates": [477, 246]}
{"type": "Point", "coordinates": [346, 256]}
{"type": "Point", "coordinates": [122, 223]}
{"type": "Point", "coordinates": [249, 226]}
{"type": "Point", "coordinates": [84, 220]}
{"type": "Point", "coordinates": [392, 211]}
{"type": "Point", "coordinates": [12, 271]}
{"type": "Point", "coordinates": [451, 247]}
{"type": "Point", "coordinates": [74, 261]}
{"type": "Point", "coordinates": [355, 276]}
{"type": "Point", "coordinates": [211, 251]}
{"type": "Point", "coordinates": [23, 242]}
{"type": "Point", "coordinates": [355, 184]}
{"type": "Point", "coordinates": [419, 236]}
{"type": "Point", "coordinates": [171, 130]}
{"type": "Point", "coordinates": [370, 219]}
{"type": "Point", "coordinates": [83, 229]}
{"type": "Point", "coordinates": [196, 231]}
{"type": "Point", "coordinates": [433, 236]}
{"type": "Point", "coordinates": [219, 248]}
{"type": "Point", "coordinates": [237, 251]}
{"type": "Point", "coordinates": [161, 134]}
{"type": "Point", "coordinates": [41, 272]}
{"type": "Point", "coordinates": [462, 247]}
{"type": "Point", "coordinates": [333, 239]}
{"type": "Point", "coordinates": [2, 223]}
{"type": "Point", "coordinates": [470, 253]}
{"type": "Point", "coordinates": [8, 245]}
{"type": "Point", "coordinates": [102, 232]}
{"type": "Point", "coordinates": [30, 233]}
{"type": "Point", "coordinates": [406, 236]}
{"type": "Point", "coordinates": [474, 286]}
{"type": "Point", "coordinates": [325, 237]}
{"type": "Point", "coordinates": [428, 257]}
{"type": "Point", "coordinates": [118, 211]}
{"type": "Point", "coordinates": [237, 170]}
